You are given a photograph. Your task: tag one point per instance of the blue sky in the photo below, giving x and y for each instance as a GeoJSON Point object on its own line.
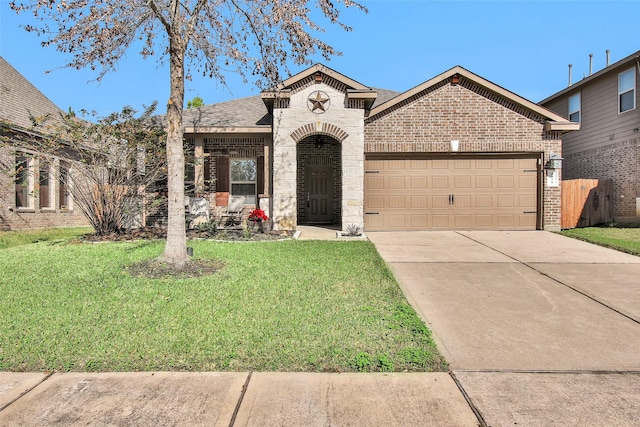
{"type": "Point", "coordinates": [523, 46]}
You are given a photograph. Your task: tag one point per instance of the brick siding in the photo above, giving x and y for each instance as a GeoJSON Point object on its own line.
{"type": "Point", "coordinates": [481, 120]}
{"type": "Point", "coordinates": [619, 162]}
{"type": "Point", "coordinates": [12, 218]}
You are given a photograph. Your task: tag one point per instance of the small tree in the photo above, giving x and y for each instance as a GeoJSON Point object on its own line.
{"type": "Point", "coordinates": [195, 102]}
{"type": "Point", "coordinates": [107, 167]}
{"type": "Point", "coordinates": [251, 37]}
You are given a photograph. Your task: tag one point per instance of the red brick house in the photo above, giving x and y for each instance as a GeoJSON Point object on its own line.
{"type": "Point", "coordinates": [32, 194]}
{"type": "Point", "coordinates": [455, 152]}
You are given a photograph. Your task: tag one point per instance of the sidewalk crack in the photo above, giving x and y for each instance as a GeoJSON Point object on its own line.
{"type": "Point", "coordinates": [240, 399]}
{"type": "Point", "coordinates": [24, 393]}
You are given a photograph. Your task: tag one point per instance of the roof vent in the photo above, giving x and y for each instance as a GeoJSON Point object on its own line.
{"type": "Point", "coordinates": [455, 79]}
{"type": "Point", "coordinates": [318, 77]}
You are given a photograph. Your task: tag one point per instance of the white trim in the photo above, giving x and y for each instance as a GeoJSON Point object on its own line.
{"type": "Point", "coordinates": [579, 110]}
{"type": "Point", "coordinates": [633, 88]}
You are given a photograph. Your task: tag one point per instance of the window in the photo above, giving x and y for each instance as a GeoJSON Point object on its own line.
{"type": "Point", "coordinates": [243, 179]}
{"type": "Point", "coordinates": [24, 182]}
{"type": "Point", "coordinates": [63, 188]}
{"type": "Point", "coordinates": [45, 192]}
{"type": "Point", "coordinates": [627, 90]}
{"type": "Point", "coordinates": [574, 108]}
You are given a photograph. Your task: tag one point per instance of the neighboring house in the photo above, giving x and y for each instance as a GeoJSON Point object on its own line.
{"type": "Point", "coordinates": [33, 193]}
{"type": "Point", "coordinates": [605, 104]}
{"type": "Point", "coordinates": [455, 152]}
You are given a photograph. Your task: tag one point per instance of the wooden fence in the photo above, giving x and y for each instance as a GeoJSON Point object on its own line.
{"type": "Point", "coordinates": [586, 202]}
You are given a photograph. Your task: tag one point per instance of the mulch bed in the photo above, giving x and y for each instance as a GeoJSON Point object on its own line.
{"type": "Point", "coordinates": [156, 233]}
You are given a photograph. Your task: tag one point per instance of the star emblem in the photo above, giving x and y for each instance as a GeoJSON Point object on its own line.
{"type": "Point", "coordinates": [318, 101]}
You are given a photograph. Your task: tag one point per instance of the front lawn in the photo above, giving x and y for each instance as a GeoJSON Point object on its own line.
{"type": "Point", "coordinates": [625, 239]}
{"type": "Point", "coordinates": [274, 306]}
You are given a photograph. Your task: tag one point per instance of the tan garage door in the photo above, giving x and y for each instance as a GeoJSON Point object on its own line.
{"type": "Point", "coordinates": [451, 194]}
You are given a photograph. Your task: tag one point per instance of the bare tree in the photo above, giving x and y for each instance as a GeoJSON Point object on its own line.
{"type": "Point", "coordinates": [110, 168]}
{"type": "Point", "coordinates": [256, 38]}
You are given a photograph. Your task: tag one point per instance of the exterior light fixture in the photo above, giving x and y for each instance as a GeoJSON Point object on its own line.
{"type": "Point", "coordinates": [554, 162]}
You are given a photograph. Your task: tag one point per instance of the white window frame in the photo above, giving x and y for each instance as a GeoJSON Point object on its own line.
{"type": "Point", "coordinates": [578, 110]}
{"type": "Point", "coordinates": [631, 89]}
{"type": "Point", "coordinates": [250, 200]}
{"type": "Point", "coordinates": [30, 181]}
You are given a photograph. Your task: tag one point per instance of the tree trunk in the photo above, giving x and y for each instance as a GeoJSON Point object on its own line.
{"type": "Point", "coordinates": [175, 250]}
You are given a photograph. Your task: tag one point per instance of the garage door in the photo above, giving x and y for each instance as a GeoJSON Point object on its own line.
{"type": "Point", "coordinates": [451, 194]}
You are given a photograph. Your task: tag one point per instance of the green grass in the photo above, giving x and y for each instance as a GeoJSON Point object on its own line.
{"type": "Point", "coordinates": [275, 306]}
{"type": "Point", "coordinates": [17, 238]}
{"type": "Point", "coordinates": [625, 239]}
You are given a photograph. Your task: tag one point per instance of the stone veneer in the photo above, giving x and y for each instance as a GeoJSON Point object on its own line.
{"type": "Point", "coordinates": [290, 126]}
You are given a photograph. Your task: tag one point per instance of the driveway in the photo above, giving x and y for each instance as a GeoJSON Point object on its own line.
{"type": "Point", "coordinates": [533, 324]}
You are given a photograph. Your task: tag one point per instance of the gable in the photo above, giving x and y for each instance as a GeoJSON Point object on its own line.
{"type": "Point", "coordinates": [20, 100]}
{"type": "Point", "coordinates": [459, 76]}
{"type": "Point", "coordinates": [463, 111]}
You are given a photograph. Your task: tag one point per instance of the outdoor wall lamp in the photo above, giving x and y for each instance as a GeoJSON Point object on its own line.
{"type": "Point", "coordinates": [554, 162]}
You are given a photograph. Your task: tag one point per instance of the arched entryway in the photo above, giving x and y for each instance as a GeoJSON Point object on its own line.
{"type": "Point", "coordinates": [319, 180]}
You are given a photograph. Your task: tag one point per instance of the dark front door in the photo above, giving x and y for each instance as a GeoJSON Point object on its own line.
{"type": "Point", "coordinates": [319, 195]}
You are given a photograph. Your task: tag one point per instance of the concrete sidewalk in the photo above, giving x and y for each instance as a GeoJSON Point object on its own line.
{"type": "Point", "coordinates": [226, 399]}
{"type": "Point", "coordinates": [539, 329]}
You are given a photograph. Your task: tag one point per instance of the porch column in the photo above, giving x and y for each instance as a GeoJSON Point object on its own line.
{"type": "Point", "coordinates": [199, 166]}
{"type": "Point", "coordinates": [284, 182]}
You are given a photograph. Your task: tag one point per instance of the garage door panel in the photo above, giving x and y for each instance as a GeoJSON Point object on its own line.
{"type": "Point", "coordinates": [419, 220]}
{"type": "Point", "coordinates": [374, 182]}
{"type": "Point", "coordinates": [397, 202]}
{"type": "Point", "coordinates": [462, 221]}
{"type": "Point", "coordinates": [506, 220]}
{"type": "Point", "coordinates": [440, 202]}
{"type": "Point", "coordinates": [463, 181]}
{"type": "Point", "coordinates": [374, 201]}
{"type": "Point", "coordinates": [484, 181]}
{"type": "Point", "coordinates": [462, 202]}
{"type": "Point", "coordinates": [439, 182]}
{"type": "Point", "coordinates": [397, 221]}
{"type": "Point", "coordinates": [453, 193]}
{"type": "Point", "coordinates": [527, 181]}
{"type": "Point", "coordinates": [396, 183]}
{"type": "Point", "coordinates": [440, 221]}
{"type": "Point", "coordinates": [439, 164]}
{"type": "Point", "coordinates": [484, 221]}
{"type": "Point", "coordinates": [506, 201]}
{"type": "Point", "coordinates": [419, 202]}
{"type": "Point", "coordinates": [506, 181]}
{"type": "Point", "coordinates": [419, 182]}
{"type": "Point", "coordinates": [527, 201]}
{"type": "Point", "coordinates": [484, 201]}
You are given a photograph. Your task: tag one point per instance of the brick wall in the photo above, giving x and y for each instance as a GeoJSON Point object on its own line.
{"type": "Point", "coordinates": [481, 120]}
{"type": "Point", "coordinates": [620, 162]}
{"type": "Point", "coordinates": [12, 218]}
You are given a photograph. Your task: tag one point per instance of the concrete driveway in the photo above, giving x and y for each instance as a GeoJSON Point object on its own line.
{"type": "Point", "coordinates": [528, 321]}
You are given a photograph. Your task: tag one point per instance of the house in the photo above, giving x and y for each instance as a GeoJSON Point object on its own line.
{"type": "Point", "coordinates": [605, 104]}
{"type": "Point", "coordinates": [456, 152]}
{"type": "Point", "coordinates": [33, 194]}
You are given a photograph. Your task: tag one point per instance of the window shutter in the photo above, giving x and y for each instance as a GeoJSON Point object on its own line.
{"type": "Point", "coordinates": [222, 174]}
{"type": "Point", "coordinates": [260, 175]}
{"type": "Point", "coordinates": [207, 174]}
